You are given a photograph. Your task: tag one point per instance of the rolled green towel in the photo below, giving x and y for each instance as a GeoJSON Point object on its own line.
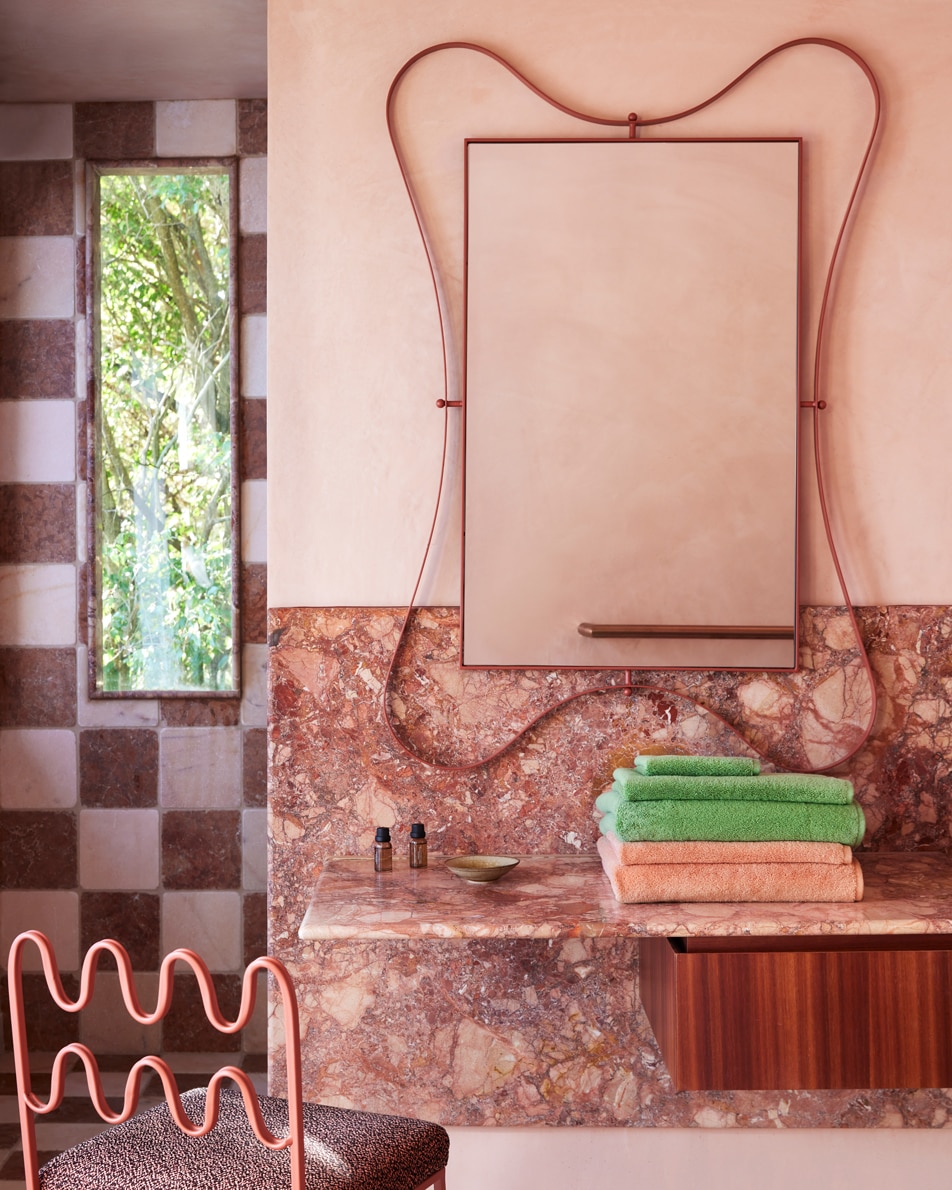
{"type": "Point", "coordinates": [772, 787]}
{"type": "Point", "coordinates": [735, 821]}
{"type": "Point", "coordinates": [607, 801]}
{"type": "Point", "coordinates": [697, 766]}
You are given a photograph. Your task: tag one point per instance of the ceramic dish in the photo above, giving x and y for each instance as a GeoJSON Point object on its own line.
{"type": "Point", "coordinates": [479, 868]}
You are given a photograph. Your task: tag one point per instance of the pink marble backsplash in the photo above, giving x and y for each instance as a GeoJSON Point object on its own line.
{"type": "Point", "coordinates": [519, 1032]}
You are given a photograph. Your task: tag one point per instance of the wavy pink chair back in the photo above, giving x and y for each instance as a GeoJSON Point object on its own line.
{"type": "Point", "coordinates": [30, 1105]}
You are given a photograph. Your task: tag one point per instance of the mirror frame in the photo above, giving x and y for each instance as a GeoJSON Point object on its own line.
{"type": "Point", "coordinates": [540, 324]}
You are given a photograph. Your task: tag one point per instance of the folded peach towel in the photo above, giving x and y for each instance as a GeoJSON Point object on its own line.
{"type": "Point", "coordinates": [781, 851]}
{"type": "Point", "coordinates": [634, 883]}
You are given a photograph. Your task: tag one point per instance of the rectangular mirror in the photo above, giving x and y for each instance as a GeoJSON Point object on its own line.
{"type": "Point", "coordinates": [631, 404]}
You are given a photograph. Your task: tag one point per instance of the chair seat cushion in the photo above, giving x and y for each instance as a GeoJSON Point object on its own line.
{"type": "Point", "coordinates": [345, 1150]}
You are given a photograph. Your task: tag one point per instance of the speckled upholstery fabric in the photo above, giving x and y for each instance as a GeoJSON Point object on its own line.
{"type": "Point", "coordinates": [345, 1150]}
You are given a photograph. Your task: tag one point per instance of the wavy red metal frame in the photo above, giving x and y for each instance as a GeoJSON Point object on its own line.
{"type": "Point", "coordinates": [632, 122]}
{"type": "Point", "coordinates": [30, 1105]}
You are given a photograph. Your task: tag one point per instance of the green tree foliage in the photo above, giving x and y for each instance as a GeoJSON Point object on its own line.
{"type": "Point", "coordinates": [164, 443]}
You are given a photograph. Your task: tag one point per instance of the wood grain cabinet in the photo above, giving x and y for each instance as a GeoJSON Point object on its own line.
{"type": "Point", "coordinates": [801, 1012]}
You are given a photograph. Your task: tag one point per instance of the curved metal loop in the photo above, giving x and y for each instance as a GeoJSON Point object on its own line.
{"type": "Point", "coordinates": [632, 122]}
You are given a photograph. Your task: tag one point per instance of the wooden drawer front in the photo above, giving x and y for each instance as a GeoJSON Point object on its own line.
{"type": "Point", "coordinates": [785, 1019]}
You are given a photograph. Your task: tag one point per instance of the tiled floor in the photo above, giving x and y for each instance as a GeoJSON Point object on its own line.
{"type": "Point", "coordinates": [76, 1118]}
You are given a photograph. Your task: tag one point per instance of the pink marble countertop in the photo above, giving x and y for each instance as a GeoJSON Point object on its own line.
{"type": "Point", "coordinates": [565, 896]}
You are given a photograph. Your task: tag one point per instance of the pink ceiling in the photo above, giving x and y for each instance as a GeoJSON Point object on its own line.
{"type": "Point", "coordinates": [61, 50]}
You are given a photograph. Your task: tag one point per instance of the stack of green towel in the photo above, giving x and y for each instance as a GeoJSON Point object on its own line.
{"type": "Point", "coordinates": [713, 828]}
{"type": "Point", "coordinates": [727, 799]}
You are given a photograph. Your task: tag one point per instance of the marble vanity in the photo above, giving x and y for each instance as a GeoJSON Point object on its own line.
{"type": "Point", "coordinates": [739, 996]}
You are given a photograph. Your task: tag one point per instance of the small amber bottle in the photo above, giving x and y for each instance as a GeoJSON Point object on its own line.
{"type": "Point", "coordinates": [383, 850]}
{"type": "Point", "coordinates": [417, 846]}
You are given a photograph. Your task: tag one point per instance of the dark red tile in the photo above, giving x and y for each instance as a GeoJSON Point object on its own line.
{"type": "Point", "coordinates": [118, 767]}
{"type": "Point", "coordinates": [201, 849]}
{"type": "Point", "coordinates": [37, 522]}
{"type": "Point", "coordinates": [81, 274]}
{"type": "Point", "coordinates": [9, 1135]}
{"type": "Point", "coordinates": [132, 918]}
{"type": "Point", "coordinates": [37, 358]}
{"type": "Point", "coordinates": [38, 849]}
{"type": "Point", "coordinates": [47, 1027]}
{"type": "Point", "coordinates": [253, 274]}
{"type": "Point", "coordinates": [186, 1028]}
{"type": "Point", "coordinates": [12, 1169]}
{"type": "Point", "coordinates": [83, 610]}
{"type": "Point", "coordinates": [254, 603]}
{"type": "Point", "coordinates": [36, 198]}
{"type": "Point", "coordinates": [252, 127]}
{"type": "Point", "coordinates": [112, 131]}
{"type": "Point", "coordinates": [254, 438]}
{"type": "Point", "coordinates": [254, 767]}
{"type": "Point", "coordinates": [255, 926]}
{"type": "Point", "coordinates": [37, 687]}
{"type": "Point", "coordinates": [200, 712]}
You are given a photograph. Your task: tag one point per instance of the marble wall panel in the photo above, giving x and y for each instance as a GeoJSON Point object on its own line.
{"type": "Point", "coordinates": [532, 1032]}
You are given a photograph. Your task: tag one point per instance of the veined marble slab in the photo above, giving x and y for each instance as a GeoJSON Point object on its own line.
{"type": "Point", "coordinates": [567, 896]}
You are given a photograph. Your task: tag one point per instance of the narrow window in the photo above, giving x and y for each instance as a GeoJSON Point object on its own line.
{"type": "Point", "coordinates": [163, 507]}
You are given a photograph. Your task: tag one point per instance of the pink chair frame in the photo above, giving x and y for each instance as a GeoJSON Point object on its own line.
{"type": "Point", "coordinates": [31, 1106]}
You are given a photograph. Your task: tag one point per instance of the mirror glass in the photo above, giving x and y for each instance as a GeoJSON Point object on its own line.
{"type": "Point", "coordinates": [631, 404]}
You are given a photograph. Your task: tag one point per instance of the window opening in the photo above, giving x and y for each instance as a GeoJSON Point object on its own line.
{"type": "Point", "coordinates": [163, 515]}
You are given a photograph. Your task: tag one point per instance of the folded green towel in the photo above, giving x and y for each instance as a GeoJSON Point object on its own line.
{"type": "Point", "coordinates": [770, 787]}
{"type": "Point", "coordinates": [697, 766]}
{"type": "Point", "coordinates": [734, 821]}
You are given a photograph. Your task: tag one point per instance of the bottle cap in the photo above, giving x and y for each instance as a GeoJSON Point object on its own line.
{"type": "Point", "coordinates": [383, 834]}
{"type": "Point", "coordinates": [417, 831]}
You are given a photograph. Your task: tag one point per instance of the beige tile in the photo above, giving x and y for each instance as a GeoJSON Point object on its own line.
{"type": "Point", "coordinates": [254, 850]}
{"type": "Point", "coordinates": [194, 1062]}
{"type": "Point", "coordinates": [200, 767]}
{"type": "Point", "coordinates": [196, 128]}
{"type": "Point", "coordinates": [53, 1138]}
{"type": "Point", "coordinates": [256, 1035]}
{"type": "Point", "coordinates": [106, 1026]}
{"type": "Point", "coordinates": [254, 520]}
{"type": "Point", "coordinates": [254, 355]}
{"type": "Point", "coordinates": [38, 604]}
{"type": "Point", "coordinates": [37, 441]}
{"type": "Point", "coordinates": [80, 357]}
{"type": "Point", "coordinates": [81, 550]}
{"type": "Point", "coordinates": [253, 196]}
{"type": "Point", "coordinates": [208, 922]}
{"type": "Point", "coordinates": [53, 912]}
{"type": "Point", "coordinates": [37, 769]}
{"type": "Point", "coordinates": [79, 209]}
{"type": "Point", "coordinates": [36, 131]}
{"type": "Point", "coordinates": [119, 849]}
{"type": "Point", "coordinates": [110, 712]}
{"type": "Point", "coordinates": [37, 276]}
{"type": "Point", "coordinates": [254, 685]}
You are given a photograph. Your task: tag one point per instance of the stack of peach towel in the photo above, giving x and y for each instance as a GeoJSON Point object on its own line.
{"type": "Point", "coordinates": [714, 828]}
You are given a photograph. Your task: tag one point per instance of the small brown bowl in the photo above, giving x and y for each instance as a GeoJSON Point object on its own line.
{"type": "Point", "coordinates": [477, 869]}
